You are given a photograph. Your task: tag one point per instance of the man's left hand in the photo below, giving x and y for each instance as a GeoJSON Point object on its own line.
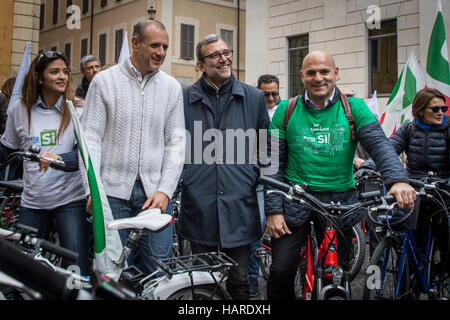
{"type": "Point", "coordinates": [404, 194]}
{"type": "Point", "coordinates": [157, 200]}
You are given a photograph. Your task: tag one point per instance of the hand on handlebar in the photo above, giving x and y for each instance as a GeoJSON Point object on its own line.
{"type": "Point", "coordinates": [276, 226]}
{"type": "Point", "coordinates": [44, 164]}
{"type": "Point", "coordinates": [404, 194]}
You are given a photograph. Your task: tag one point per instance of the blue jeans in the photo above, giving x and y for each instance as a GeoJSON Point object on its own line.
{"type": "Point", "coordinates": [253, 267]}
{"type": "Point", "coordinates": [156, 245]}
{"type": "Point", "coordinates": [71, 224]}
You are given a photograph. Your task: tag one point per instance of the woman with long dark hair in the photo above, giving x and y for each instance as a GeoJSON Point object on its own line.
{"type": "Point", "coordinates": [41, 118]}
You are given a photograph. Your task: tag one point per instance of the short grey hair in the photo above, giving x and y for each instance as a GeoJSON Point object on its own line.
{"type": "Point", "coordinates": [139, 28]}
{"type": "Point", "coordinates": [87, 59]}
{"type": "Point", "coordinates": [206, 40]}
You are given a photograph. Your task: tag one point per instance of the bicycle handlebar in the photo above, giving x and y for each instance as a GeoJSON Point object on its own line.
{"type": "Point", "coordinates": [33, 156]}
{"type": "Point", "coordinates": [33, 274]}
{"type": "Point", "coordinates": [297, 193]}
{"type": "Point", "coordinates": [37, 243]}
{"type": "Point", "coordinates": [59, 251]}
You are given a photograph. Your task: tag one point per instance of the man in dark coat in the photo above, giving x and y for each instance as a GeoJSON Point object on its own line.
{"type": "Point", "coordinates": [219, 208]}
{"type": "Point", "coordinates": [89, 67]}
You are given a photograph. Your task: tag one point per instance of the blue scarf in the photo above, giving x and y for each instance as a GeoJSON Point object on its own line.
{"type": "Point", "coordinates": [427, 127]}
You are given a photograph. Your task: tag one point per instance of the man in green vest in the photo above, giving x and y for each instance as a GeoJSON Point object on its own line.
{"type": "Point", "coordinates": [316, 147]}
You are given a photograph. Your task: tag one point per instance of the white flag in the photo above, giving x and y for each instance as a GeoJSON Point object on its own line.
{"type": "Point", "coordinates": [23, 70]}
{"type": "Point", "coordinates": [398, 110]}
{"type": "Point", "coordinates": [124, 51]}
{"type": "Point", "coordinates": [373, 105]}
{"type": "Point", "coordinates": [107, 243]}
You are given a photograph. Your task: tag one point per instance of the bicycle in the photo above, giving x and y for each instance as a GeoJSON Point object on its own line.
{"type": "Point", "coordinates": [320, 276]}
{"type": "Point", "coordinates": [184, 277]}
{"type": "Point", "coordinates": [406, 271]}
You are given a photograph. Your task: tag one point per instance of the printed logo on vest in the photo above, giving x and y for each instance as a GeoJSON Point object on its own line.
{"type": "Point", "coordinates": [48, 138]}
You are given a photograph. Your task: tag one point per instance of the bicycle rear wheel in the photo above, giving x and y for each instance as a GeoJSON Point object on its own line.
{"type": "Point", "coordinates": [383, 283]}
{"type": "Point", "coordinates": [200, 292]}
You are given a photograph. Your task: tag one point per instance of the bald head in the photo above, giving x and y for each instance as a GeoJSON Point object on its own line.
{"type": "Point", "coordinates": [319, 75]}
{"type": "Point", "coordinates": [318, 55]}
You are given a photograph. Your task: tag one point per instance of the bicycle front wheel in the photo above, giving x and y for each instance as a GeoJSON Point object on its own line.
{"type": "Point", "coordinates": [358, 251]}
{"type": "Point", "coordinates": [390, 280]}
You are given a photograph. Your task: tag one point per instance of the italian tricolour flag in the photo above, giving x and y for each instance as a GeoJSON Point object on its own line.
{"type": "Point", "coordinates": [107, 243]}
{"type": "Point", "coordinates": [437, 73]}
{"type": "Point", "coordinates": [398, 109]}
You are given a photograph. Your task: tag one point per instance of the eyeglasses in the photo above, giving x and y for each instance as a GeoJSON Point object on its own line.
{"type": "Point", "coordinates": [436, 109]}
{"type": "Point", "coordinates": [49, 54]}
{"type": "Point", "coordinates": [273, 94]}
{"type": "Point", "coordinates": [216, 55]}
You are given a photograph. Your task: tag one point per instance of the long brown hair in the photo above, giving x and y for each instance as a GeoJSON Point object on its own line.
{"type": "Point", "coordinates": [32, 89]}
{"type": "Point", "coordinates": [422, 100]}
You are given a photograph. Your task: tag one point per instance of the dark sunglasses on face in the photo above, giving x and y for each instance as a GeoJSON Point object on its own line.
{"type": "Point", "coordinates": [436, 109]}
{"type": "Point", "coordinates": [273, 94]}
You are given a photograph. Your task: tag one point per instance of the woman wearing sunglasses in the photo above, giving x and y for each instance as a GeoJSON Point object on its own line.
{"type": "Point", "coordinates": [41, 118]}
{"type": "Point", "coordinates": [425, 143]}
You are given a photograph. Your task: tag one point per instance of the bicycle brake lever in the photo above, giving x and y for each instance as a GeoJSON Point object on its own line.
{"type": "Point", "coordinates": [281, 193]}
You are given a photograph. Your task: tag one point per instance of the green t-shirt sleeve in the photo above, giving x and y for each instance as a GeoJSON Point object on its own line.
{"type": "Point", "coordinates": [361, 113]}
{"type": "Point", "coordinates": [276, 125]}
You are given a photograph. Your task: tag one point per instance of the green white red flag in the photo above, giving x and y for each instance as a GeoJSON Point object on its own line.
{"type": "Point", "coordinates": [107, 243]}
{"type": "Point", "coordinates": [398, 109]}
{"type": "Point", "coordinates": [437, 73]}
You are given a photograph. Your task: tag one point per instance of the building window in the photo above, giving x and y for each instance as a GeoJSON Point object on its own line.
{"type": "Point", "coordinates": [102, 49]}
{"type": "Point", "coordinates": [67, 49]}
{"type": "Point", "coordinates": [103, 3]}
{"type": "Point", "coordinates": [55, 11]}
{"type": "Point", "coordinates": [42, 17]}
{"type": "Point", "coordinates": [187, 42]}
{"type": "Point", "coordinates": [383, 58]}
{"type": "Point", "coordinates": [85, 6]}
{"type": "Point", "coordinates": [227, 36]}
{"type": "Point", "coordinates": [69, 3]}
{"type": "Point", "coordinates": [298, 49]}
{"type": "Point", "coordinates": [84, 47]}
{"type": "Point", "coordinates": [118, 45]}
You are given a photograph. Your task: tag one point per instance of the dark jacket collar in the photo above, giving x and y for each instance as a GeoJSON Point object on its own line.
{"type": "Point", "coordinates": [202, 86]}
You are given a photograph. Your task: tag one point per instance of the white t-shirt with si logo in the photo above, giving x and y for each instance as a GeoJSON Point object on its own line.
{"type": "Point", "coordinates": [54, 188]}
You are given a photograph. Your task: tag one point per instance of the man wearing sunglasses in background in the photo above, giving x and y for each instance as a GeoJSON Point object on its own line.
{"type": "Point", "coordinates": [219, 207]}
{"type": "Point", "coordinates": [270, 85]}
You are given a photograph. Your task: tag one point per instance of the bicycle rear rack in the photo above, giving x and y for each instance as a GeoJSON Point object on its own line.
{"type": "Point", "coordinates": [210, 262]}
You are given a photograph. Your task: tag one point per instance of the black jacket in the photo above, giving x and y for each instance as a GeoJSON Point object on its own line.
{"type": "Point", "coordinates": [426, 150]}
{"type": "Point", "coordinates": [82, 89]}
{"type": "Point", "coordinates": [374, 141]}
{"type": "Point", "coordinates": [218, 203]}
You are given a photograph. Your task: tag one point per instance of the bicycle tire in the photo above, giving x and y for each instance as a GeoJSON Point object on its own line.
{"type": "Point", "coordinates": [358, 251]}
{"type": "Point", "coordinates": [199, 292]}
{"type": "Point", "coordinates": [388, 249]}
{"type": "Point", "coordinates": [436, 272]}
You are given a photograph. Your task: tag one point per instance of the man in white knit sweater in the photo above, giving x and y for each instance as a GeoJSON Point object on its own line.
{"type": "Point", "coordinates": [134, 127]}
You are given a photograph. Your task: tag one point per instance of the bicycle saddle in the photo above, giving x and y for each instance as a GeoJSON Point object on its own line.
{"type": "Point", "coordinates": [12, 185]}
{"type": "Point", "coordinates": [151, 219]}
